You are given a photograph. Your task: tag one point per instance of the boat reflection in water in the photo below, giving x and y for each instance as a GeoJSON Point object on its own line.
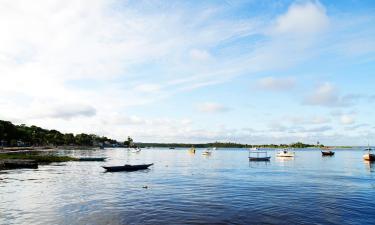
{"type": "Point", "coordinates": [192, 150]}
{"type": "Point", "coordinates": [284, 159]}
{"type": "Point", "coordinates": [370, 166]}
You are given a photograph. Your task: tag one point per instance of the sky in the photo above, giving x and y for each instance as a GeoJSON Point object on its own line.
{"type": "Point", "coordinates": [251, 71]}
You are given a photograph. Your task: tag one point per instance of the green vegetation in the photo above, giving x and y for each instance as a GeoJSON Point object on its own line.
{"type": "Point", "coordinates": [40, 158]}
{"type": "Point", "coordinates": [22, 135]}
{"type": "Point", "coordinates": [226, 145]}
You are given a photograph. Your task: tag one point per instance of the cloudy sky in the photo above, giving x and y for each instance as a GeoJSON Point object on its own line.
{"type": "Point", "coordinates": [191, 71]}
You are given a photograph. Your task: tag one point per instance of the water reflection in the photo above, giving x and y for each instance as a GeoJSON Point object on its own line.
{"type": "Point", "coordinates": [370, 166]}
{"type": "Point", "coordinates": [284, 159]}
{"type": "Point", "coordinates": [179, 189]}
{"type": "Point", "coordinates": [254, 164]}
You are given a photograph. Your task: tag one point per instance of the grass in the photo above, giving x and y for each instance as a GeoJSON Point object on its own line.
{"type": "Point", "coordinates": [38, 158]}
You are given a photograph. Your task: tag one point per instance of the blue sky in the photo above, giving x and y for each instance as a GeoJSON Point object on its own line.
{"type": "Point", "coordinates": [192, 71]}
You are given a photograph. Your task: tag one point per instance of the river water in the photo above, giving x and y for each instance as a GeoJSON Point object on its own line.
{"type": "Point", "coordinates": [224, 188]}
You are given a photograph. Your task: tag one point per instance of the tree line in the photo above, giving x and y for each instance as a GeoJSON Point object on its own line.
{"type": "Point", "coordinates": [225, 145]}
{"type": "Point", "coordinates": [22, 135]}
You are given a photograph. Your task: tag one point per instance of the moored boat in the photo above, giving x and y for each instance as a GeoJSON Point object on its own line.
{"type": "Point", "coordinates": [259, 156]}
{"type": "Point", "coordinates": [207, 152]}
{"type": "Point", "coordinates": [92, 159]}
{"type": "Point", "coordinates": [126, 167]}
{"type": "Point", "coordinates": [136, 150]}
{"type": "Point", "coordinates": [369, 156]}
{"type": "Point", "coordinates": [328, 153]}
{"type": "Point", "coordinates": [285, 153]}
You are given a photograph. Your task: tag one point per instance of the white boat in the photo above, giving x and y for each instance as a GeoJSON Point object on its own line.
{"type": "Point", "coordinates": [285, 153]}
{"type": "Point", "coordinates": [136, 150]}
{"type": "Point", "coordinates": [254, 149]}
{"type": "Point", "coordinates": [207, 152]}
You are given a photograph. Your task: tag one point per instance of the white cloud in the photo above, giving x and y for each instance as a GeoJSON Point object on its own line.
{"type": "Point", "coordinates": [328, 95]}
{"type": "Point", "coordinates": [347, 119]}
{"type": "Point", "coordinates": [212, 107]}
{"type": "Point", "coordinates": [148, 88]}
{"type": "Point", "coordinates": [199, 55]}
{"type": "Point", "coordinates": [276, 84]}
{"type": "Point", "coordinates": [302, 19]}
{"type": "Point", "coordinates": [306, 120]}
{"type": "Point", "coordinates": [325, 95]}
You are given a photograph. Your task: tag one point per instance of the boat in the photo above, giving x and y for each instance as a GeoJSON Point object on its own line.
{"type": "Point", "coordinates": [136, 150]}
{"type": "Point", "coordinates": [207, 152]}
{"type": "Point", "coordinates": [126, 167]}
{"type": "Point", "coordinates": [171, 148]}
{"type": "Point", "coordinates": [369, 156]}
{"type": "Point", "coordinates": [285, 153]}
{"type": "Point", "coordinates": [328, 153]}
{"type": "Point", "coordinates": [259, 156]}
{"type": "Point", "coordinates": [92, 159]}
{"type": "Point", "coordinates": [192, 150]}
{"type": "Point", "coordinates": [254, 149]}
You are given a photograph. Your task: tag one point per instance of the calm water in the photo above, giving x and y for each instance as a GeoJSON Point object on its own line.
{"type": "Point", "coordinates": [193, 189]}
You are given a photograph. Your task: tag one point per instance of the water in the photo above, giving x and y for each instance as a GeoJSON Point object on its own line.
{"type": "Point", "coordinates": [224, 188]}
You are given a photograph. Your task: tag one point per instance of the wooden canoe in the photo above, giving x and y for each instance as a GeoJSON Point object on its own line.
{"type": "Point", "coordinates": [128, 168]}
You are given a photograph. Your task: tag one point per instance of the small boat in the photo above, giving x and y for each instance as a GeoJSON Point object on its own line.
{"type": "Point", "coordinates": [328, 153]}
{"type": "Point", "coordinates": [254, 149]}
{"type": "Point", "coordinates": [136, 150]}
{"type": "Point", "coordinates": [285, 153]}
{"type": "Point", "coordinates": [259, 156]}
{"type": "Point", "coordinates": [207, 152]}
{"type": "Point", "coordinates": [369, 156]}
{"type": "Point", "coordinates": [192, 150]}
{"type": "Point", "coordinates": [171, 148]}
{"type": "Point", "coordinates": [126, 167]}
{"type": "Point", "coordinates": [92, 159]}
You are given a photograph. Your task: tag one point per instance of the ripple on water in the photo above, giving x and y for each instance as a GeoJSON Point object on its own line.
{"type": "Point", "coordinates": [183, 189]}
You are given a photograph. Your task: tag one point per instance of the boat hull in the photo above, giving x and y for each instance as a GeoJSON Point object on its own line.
{"type": "Point", "coordinates": [286, 155]}
{"type": "Point", "coordinates": [98, 159]}
{"type": "Point", "coordinates": [369, 157]}
{"type": "Point", "coordinates": [128, 168]}
{"type": "Point", "coordinates": [260, 158]}
{"type": "Point", "coordinates": [330, 153]}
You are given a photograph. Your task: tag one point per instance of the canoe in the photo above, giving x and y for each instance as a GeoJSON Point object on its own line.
{"type": "Point", "coordinates": [128, 168]}
{"type": "Point", "coordinates": [329, 153]}
{"type": "Point", "coordinates": [260, 158]}
{"type": "Point", "coordinates": [92, 159]}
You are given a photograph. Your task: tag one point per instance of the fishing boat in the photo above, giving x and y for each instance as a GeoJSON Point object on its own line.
{"type": "Point", "coordinates": [259, 156]}
{"type": "Point", "coordinates": [285, 153]}
{"type": "Point", "coordinates": [126, 167]}
{"type": "Point", "coordinates": [192, 150]}
{"type": "Point", "coordinates": [92, 159]}
{"type": "Point", "coordinates": [369, 156]}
